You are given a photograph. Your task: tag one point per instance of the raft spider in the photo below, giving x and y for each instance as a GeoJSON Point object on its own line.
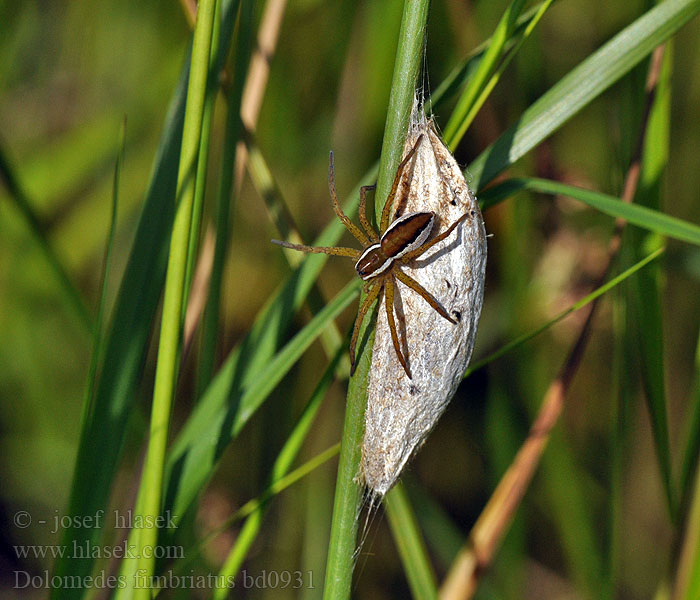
{"type": "Point", "coordinates": [379, 262]}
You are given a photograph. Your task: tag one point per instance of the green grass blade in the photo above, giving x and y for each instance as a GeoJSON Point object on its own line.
{"type": "Point", "coordinates": [409, 542]}
{"type": "Point", "coordinates": [225, 198]}
{"type": "Point", "coordinates": [225, 409]}
{"type": "Point", "coordinates": [24, 206]}
{"type": "Point", "coordinates": [97, 348]}
{"type": "Point", "coordinates": [622, 400]}
{"type": "Point", "coordinates": [691, 447]}
{"type": "Point", "coordinates": [579, 87]}
{"type": "Point", "coordinates": [281, 217]}
{"type": "Point", "coordinates": [463, 113]}
{"type": "Point", "coordinates": [688, 575]}
{"type": "Point", "coordinates": [200, 180]}
{"type": "Point", "coordinates": [174, 295]}
{"type": "Point", "coordinates": [126, 342]}
{"type": "Point", "coordinates": [280, 468]}
{"type": "Point", "coordinates": [348, 492]}
{"type": "Point", "coordinates": [644, 217]}
{"type": "Point", "coordinates": [255, 505]}
{"type": "Point", "coordinates": [520, 340]}
{"type": "Point", "coordinates": [645, 297]}
{"type": "Point", "coordinates": [442, 535]}
{"type": "Point", "coordinates": [508, 54]}
{"type": "Point", "coordinates": [465, 71]}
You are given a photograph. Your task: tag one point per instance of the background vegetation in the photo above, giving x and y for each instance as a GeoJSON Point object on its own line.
{"type": "Point", "coordinates": [607, 511]}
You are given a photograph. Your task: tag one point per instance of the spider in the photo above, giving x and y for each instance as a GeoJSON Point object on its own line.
{"type": "Point", "coordinates": [379, 262]}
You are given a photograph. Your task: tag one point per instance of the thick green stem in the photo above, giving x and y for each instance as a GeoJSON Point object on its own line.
{"type": "Point", "coordinates": [348, 493]}
{"type": "Point", "coordinates": [171, 323]}
{"type": "Point", "coordinates": [224, 198]}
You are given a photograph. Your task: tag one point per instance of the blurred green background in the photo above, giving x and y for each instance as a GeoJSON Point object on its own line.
{"type": "Point", "coordinates": [70, 72]}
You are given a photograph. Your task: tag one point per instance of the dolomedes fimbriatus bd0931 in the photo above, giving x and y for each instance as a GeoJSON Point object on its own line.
{"type": "Point", "coordinates": [379, 262]}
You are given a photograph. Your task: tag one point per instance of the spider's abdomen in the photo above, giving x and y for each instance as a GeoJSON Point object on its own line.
{"type": "Point", "coordinates": [372, 262]}
{"type": "Point", "coordinates": [407, 233]}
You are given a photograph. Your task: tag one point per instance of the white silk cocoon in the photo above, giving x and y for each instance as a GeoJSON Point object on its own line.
{"type": "Point", "coordinates": [402, 411]}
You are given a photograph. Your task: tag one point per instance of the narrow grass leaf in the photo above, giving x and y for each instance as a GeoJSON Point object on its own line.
{"type": "Point", "coordinates": [97, 345]}
{"type": "Point", "coordinates": [24, 206]}
{"type": "Point", "coordinates": [126, 342]}
{"type": "Point", "coordinates": [687, 584]}
{"type": "Point", "coordinates": [224, 410]}
{"type": "Point", "coordinates": [216, 62]}
{"type": "Point", "coordinates": [509, 52]}
{"type": "Point", "coordinates": [280, 468]}
{"type": "Point", "coordinates": [691, 447]}
{"type": "Point", "coordinates": [256, 504]}
{"type": "Point", "coordinates": [648, 218]}
{"type": "Point", "coordinates": [409, 543]}
{"type": "Point", "coordinates": [622, 401]}
{"type": "Point", "coordinates": [583, 84]}
{"type": "Point", "coordinates": [442, 535]}
{"type": "Point", "coordinates": [520, 340]}
{"type": "Point", "coordinates": [460, 118]}
{"type": "Point", "coordinates": [465, 70]}
{"type": "Point", "coordinates": [280, 215]}
{"type": "Point", "coordinates": [225, 197]}
{"type": "Point", "coordinates": [151, 487]}
{"type": "Point", "coordinates": [645, 292]}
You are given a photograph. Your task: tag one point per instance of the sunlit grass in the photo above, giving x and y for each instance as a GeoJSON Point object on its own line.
{"type": "Point", "coordinates": [244, 398]}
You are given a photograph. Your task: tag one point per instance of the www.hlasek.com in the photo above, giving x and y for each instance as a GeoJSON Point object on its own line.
{"type": "Point", "coordinates": [85, 550]}
{"type": "Point", "coordinates": [265, 579]}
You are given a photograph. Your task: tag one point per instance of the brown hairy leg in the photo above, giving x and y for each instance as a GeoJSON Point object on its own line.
{"type": "Point", "coordinates": [364, 218]}
{"type": "Point", "coordinates": [351, 252]}
{"type": "Point", "coordinates": [423, 293]}
{"type": "Point", "coordinates": [373, 290]}
{"type": "Point", "coordinates": [390, 198]}
{"type": "Point", "coordinates": [389, 301]}
{"type": "Point", "coordinates": [349, 225]}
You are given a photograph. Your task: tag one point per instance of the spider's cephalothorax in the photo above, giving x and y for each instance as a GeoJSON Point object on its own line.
{"type": "Point", "coordinates": [379, 263]}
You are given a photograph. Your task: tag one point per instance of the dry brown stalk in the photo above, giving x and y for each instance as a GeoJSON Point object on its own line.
{"type": "Point", "coordinates": [251, 101]}
{"type": "Point", "coordinates": [488, 531]}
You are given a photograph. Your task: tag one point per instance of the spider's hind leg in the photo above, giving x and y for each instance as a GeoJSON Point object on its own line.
{"type": "Point", "coordinates": [423, 293]}
{"type": "Point", "coordinates": [389, 301]}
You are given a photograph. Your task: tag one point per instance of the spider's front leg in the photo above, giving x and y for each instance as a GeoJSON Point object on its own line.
{"type": "Point", "coordinates": [372, 289]}
{"type": "Point", "coordinates": [364, 217]}
{"type": "Point", "coordinates": [334, 250]}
